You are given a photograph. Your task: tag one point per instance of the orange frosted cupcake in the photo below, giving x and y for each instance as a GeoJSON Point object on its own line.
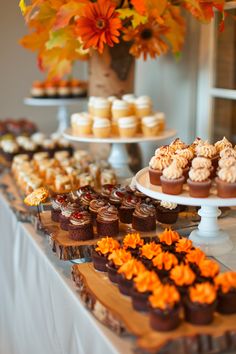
{"type": "Point", "coordinates": [200, 304]}
{"type": "Point", "coordinates": [144, 284]}
{"type": "Point", "coordinates": [183, 277]}
{"type": "Point", "coordinates": [148, 251]}
{"type": "Point", "coordinates": [128, 271]}
{"type": "Point", "coordinates": [165, 308]}
{"type": "Point", "coordinates": [163, 263]}
{"type": "Point", "coordinates": [104, 247]}
{"type": "Point", "coordinates": [115, 261]}
{"type": "Point", "coordinates": [208, 270]}
{"type": "Point", "coordinates": [168, 239]}
{"type": "Point", "coordinates": [182, 247]}
{"type": "Point", "coordinates": [193, 258]}
{"type": "Point", "coordinates": [132, 243]}
{"type": "Point", "coordinates": [226, 289]}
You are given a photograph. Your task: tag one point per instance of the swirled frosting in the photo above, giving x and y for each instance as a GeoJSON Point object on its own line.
{"type": "Point", "coordinates": [227, 162]}
{"type": "Point", "coordinates": [208, 268]}
{"type": "Point", "coordinates": [150, 250]}
{"type": "Point", "coordinates": [80, 218]}
{"type": "Point", "coordinates": [228, 174]}
{"type": "Point", "coordinates": [204, 293]}
{"type": "Point", "coordinates": [174, 171]}
{"type": "Point", "coordinates": [160, 162]}
{"type": "Point", "coordinates": [107, 245]}
{"type": "Point", "coordinates": [132, 241]}
{"type": "Point", "coordinates": [226, 281]}
{"type": "Point", "coordinates": [119, 257]}
{"type": "Point", "coordinates": [228, 152]}
{"type": "Point", "coordinates": [168, 205]}
{"type": "Point", "coordinates": [146, 281]}
{"type": "Point", "coordinates": [144, 210]}
{"type": "Point", "coordinates": [201, 162]}
{"type": "Point", "coordinates": [183, 245]}
{"type": "Point", "coordinates": [206, 150]}
{"type": "Point", "coordinates": [182, 275]}
{"type": "Point", "coordinates": [195, 256]}
{"type": "Point", "coordinates": [68, 209]}
{"type": "Point", "coordinates": [180, 160]}
{"type": "Point", "coordinates": [165, 260]}
{"type": "Point", "coordinates": [169, 236]}
{"type": "Point", "coordinates": [130, 201]}
{"type": "Point", "coordinates": [96, 204]}
{"type": "Point", "coordinates": [117, 194]}
{"type": "Point", "coordinates": [164, 150]}
{"type": "Point", "coordinates": [131, 268]}
{"type": "Point", "coordinates": [186, 153]}
{"type": "Point", "coordinates": [222, 144]}
{"type": "Point", "coordinates": [164, 297]}
{"type": "Point", "coordinates": [58, 201]}
{"type": "Point", "coordinates": [106, 190]}
{"type": "Point", "coordinates": [178, 144]}
{"type": "Point", "coordinates": [107, 213]}
{"type": "Point", "coordinates": [87, 197]}
{"type": "Point", "coordinates": [199, 174]}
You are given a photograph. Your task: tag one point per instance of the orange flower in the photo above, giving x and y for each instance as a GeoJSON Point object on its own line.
{"type": "Point", "coordinates": [226, 281]}
{"type": "Point", "coordinates": [119, 256]}
{"type": "Point", "coordinates": [204, 293]}
{"type": "Point", "coordinates": [195, 256]}
{"type": "Point", "coordinates": [99, 25]}
{"type": "Point", "coordinates": [183, 245]}
{"type": "Point", "coordinates": [164, 297]}
{"type": "Point", "coordinates": [208, 268]}
{"type": "Point", "coordinates": [107, 245]}
{"type": "Point", "coordinates": [131, 268]}
{"type": "Point", "coordinates": [132, 241]}
{"type": "Point", "coordinates": [165, 260]}
{"type": "Point", "coordinates": [146, 281]}
{"type": "Point", "coordinates": [151, 249]}
{"type": "Point", "coordinates": [169, 236]}
{"type": "Point", "coordinates": [147, 39]}
{"type": "Point", "coordinates": [182, 275]}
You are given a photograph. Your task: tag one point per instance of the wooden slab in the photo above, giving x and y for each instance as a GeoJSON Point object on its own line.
{"type": "Point", "coordinates": [115, 311]}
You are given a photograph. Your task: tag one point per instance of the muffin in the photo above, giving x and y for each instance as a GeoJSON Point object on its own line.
{"type": "Point", "coordinates": [228, 152]}
{"type": "Point", "coordinates": [226, 162]}
{"type": "Point", "coordinates": [172, 179]}
{"type": "Point", "coordinates": [107, 221]}
{"type": "Point", "coordinates": [132, 243]}
{"type": "Point", "coordinates": [193, 257]}
{"type": "Point", "coordinates": [120, 109]}
{"type": "Point", "coordinates": [156, 166]}
{"type": "Point", "coordinates": [167, 212]}
{"type": "Point", "coordinates": [148, 251]}
{"type": "Point", "coordinates": [100, 254]}
{"type": "Point", "coordinates": [163, 262]}
{"type": "Point", "coordinates": [128, 271]}
{"type": "Point", "coordinates": [143, 106]}
{"type": "Point", "coordinates": [127, 127]}
{"type": "Point", "coordinates": [101, 107]}
{"type": "Point", "coordinates": [101, 128]}
{"type": "Point", "coordinates": [226, 182]}
{"type": "Point", "coordinates": [200, 304]}
{"type": "Point", "coordinates": [127, 207]}
{"type": "Point", "coordinates": [182, 276]}
{"type": "Point", "coordinates": [226, 292]}
{"type": "Point", "coordinates": [144, 217]}
{"type": "Point", "coordinates": [115, 261]}
{"type": "Point", "coordinates": [164, 308]}
{"type": "Point", "coordinates": [80, 226]}
{"type": "Point", "coordinates": [199, 178]}
{"type": "Point", "coordinates": [81, 124]}
{"type": "Point", "coordinates": [150, 126]}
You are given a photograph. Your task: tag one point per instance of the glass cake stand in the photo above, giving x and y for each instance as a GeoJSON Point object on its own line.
{"type": "Point", "coordinates": [208, 236]}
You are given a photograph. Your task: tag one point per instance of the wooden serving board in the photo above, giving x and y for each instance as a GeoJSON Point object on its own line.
{"type": "Point", "coordinates": [115, 311]}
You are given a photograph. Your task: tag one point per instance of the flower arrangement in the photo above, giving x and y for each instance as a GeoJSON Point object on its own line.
{"type": "Point", "coordinates": [63, 31]}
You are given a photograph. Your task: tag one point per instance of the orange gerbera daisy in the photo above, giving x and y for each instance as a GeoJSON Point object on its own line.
{"type": "Point", "coordinates": [147, 39]}
{"type": "Point", "coordinates": [99, 25]}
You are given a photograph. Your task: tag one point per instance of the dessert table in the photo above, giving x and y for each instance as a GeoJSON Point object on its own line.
{"type": "Point", "coordinates": [42, 311]}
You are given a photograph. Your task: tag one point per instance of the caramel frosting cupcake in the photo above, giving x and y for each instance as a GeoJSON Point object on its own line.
{"type": "Point", "coordinates": [167, 212]}
{"type": "Point", "coordinates": [133, 242]}
{"type": "Point", "coordinates": [80, 226]}
{"type": "Point", "coordinates": [183, 163]}
{"type": "Point", "coordinates": [127, 207]}
{"type": "Point", "coordinates": [201, 162]}
{"type": "Point", "coordinates": [199, 182]}
{"type": "Point", "coordinates": [161, 119]}
{"type": "Point", "coordinates": [100, 254]}
{"type": "Point", "coordinates": [164, 150]}
{"type": "Point", "coordinates": [226, 182]}
{"type": "Point", "coordinates": [187, 153]}
{"type": "Point", "coordinates": [228, 152]}
{"type": "Point", "coordinates": [107, 221]}
{"type": "Point", "coordinates": [144, 217]}
{"type": "Point", "coordinates": [178, 144]}
{"type": "Point", "coordinates": [227, 162]}
{"type": "Point", "coordinates": [226, 290]}
{"type": "Point", "coordinates": [223, 144]}
{"type": "Point", "coordinates": [172, 179]}
{"type": "Point", "coordinates": [156, 166]}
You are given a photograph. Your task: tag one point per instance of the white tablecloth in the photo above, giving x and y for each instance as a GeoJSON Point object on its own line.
{"type": "Point", "coordinates": [40, 311]}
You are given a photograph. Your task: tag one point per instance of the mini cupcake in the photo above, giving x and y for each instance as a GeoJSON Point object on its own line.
{"type": "Point", "coordinates": [127, 126]}
{"type": "Point", "coordinates": [226, 182]}
{"type": "Point", "coordinates": [167, 212]}
{"type": "Point", "coordinates": [209, 151]}
{"type": "Point", "coordinates": [117, 195]}
{"type": "Point", "coordinates": [37, 89]}
{"type": "Point", "coordinates": [86, 198]}
{"type": "Point", "coordinates": [187, 153]}
{"type": "Point", "coordinates": [183, 163]}
{"type": "Point", "coordinates": [130, 99]}
{"type": "Point", "coordinates": [200, 304]}
{"type": "Point", "coordinates": [95, 205]}
{"type": "Point", "coordinates": [81, 124]}
{"type": "Point", "coordinates": [50, 89]}
{"type": "Point", "coordinates": [193, 258]}
{"type": "Point", "coordinates": [178, 144]}
{"type": "Point", "coordinates": [101, 108]}
{"type": "Point", "coordinates": [168, 239]}
{"type": "Point", "coordinates": [182, 247]}
{"type": "Point", "coordinates": [144, 284]}
{"type": "Point", "coordinates": [165, 308]}
{"type": "Point", "coordinates": [183, 277]}
{"type": "Point", "coordinates": [66, 210]}
{"type": "Point", "coordinates": [107, 221]}
{"type": "Point", "coordinates": [143, 106]}
{"type": "Point", "coordinates": [199, 182]}
{"type": "Point", "coordinates": [208, 270]}
{"type": "Point", "coordinates": [101, 128]}
{"type": "Point", "coordinates": [106, 190]}
{"type": "Point", "coordinates": [115, 261]}
{"type": "Point", "coordinates": [228, 152]}
{"type": "Point", "coordinates": [163, 262]}
{"type": "Point", "coordinates": [128, 271]}
{"type": "Point", "coordinates": [127, 207]}
{"type": "Point", "coordinates": [57, 202]}
{"type": "Point", "coordinates": [144, 217]}
{"type": "Point", "coordinates": [156, 166]}
{"type": "Point", "coordinates": [150, 126]}
{"type": "Point", "coordinates": [226, 162]}
{"type": "Point", "coordinates": [223, 144]}
{"type": "Point", "coordinates": [100, 254]}
{"type": "Point", "coordinates": [132, 243]}
{"type": "Point", "coordinates": [148, 251]}
{"type": "Point", "coordinates": [226, 292]}
{"type": "Point", "coordinates": [161, 119]}
{"type": "Point", "coordinates": [120, 109]}
{"type": "Point", "coordinates": [90, 105]}
{"type": "Point", "coordinates": [84, 189]}
{"type": "Point", "coordinates": [172, 179]}
{"type": "Point", "coordinates": [80, 226]}
{"type": "Point", "coordinates": [63, 89]}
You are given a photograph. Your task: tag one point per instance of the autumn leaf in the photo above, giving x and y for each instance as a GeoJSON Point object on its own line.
{"type": "Point", "coordinates": [137, 19]}
{"type": "Point", "coordinates": [176, 28]}
{"type": "Point", "coordinates": [140, 6]}
{"type": "Point", "coordinates": [67, 12]}
{"type": "Point", "coordinates": [57, 38]}
{"type": "Point", "coordinates": [22, 6]}
{"type": "Point", "coordinates": [34, 41]}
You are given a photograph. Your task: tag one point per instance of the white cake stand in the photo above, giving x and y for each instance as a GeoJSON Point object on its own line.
{"type": "Point", "coordinates": [207, 236]}
{"type": "Point", "coordinates": [61, 103]}
{"type": "Point", "coordinates": [119, 158]}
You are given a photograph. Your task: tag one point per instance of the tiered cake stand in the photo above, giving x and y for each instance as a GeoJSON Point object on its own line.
{"type": "Point", "coordinates": [61, 103]}
{"type": "Point", "coordinates": [208, 235]}
{"type": "Point", "coordinates": [119, 158]}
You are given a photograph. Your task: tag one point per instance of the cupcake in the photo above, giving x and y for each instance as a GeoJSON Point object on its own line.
{"type": "Point", "coordinates": [91, 101]}
{"type": "Point", "coordinates": [50, 89]}
{"type": "Point", "coordinates": [209, 151]}
{"type": "Point", "coordinates": [117, 195]}
{"type": "Point", "coordinates": [193, 257]}
{"type": "Point", "coordinates": [164, 308]}
{"type": "Point", "coordinates": [183, 163]}
{"type": "Point", "coordinates": [100, 254]}
{"type": "Point", "coordinates": [128, 271]}
{"type": "Point", "coordinates": [144, 217]}
{"type": "Point", "coordinates": [127, 126]}
{"type": "Point", "coordinates": [80, 226]}
{"type": "Point", "coordinates": [222, 144]}
{"type": "Point", "coordinates": [167, 212]}
{"type": "Point", "coordinates": [226, 292]}
{"type": "Point", "coordinates": [199, 182]}
{"type": "Point", "coordinates": [115, 261]}
{"type": "Point", "coordinates": [57, 202]}
{"type": "Point", "coordinates": [144, 284]}
{"type": "Point", "coordinates": [101, 128]}
{"type": "Point", "coordinates": [143, 106]}
{"type": "Point", "coordinates": [120, 109]}
{"type": "Point", "coordinates": [81, 124]}
{"type": "Point", "coordinates": [187, 153]}
{"type": "Point", "coordinates": [226, 182]}
{"type": "Point", "coordinates": [63, 89]}
{"type": "Point", "coordinates": [182, 247]}
{"type": "Point", "coordinates": [172, 179]}
{"type": "Point", "coordinates": [66, 210]}
{"type": "Point", "coordinates": [156, 166]}
{"type": "Point", "coordinates": [130, 99]}
{"type": "Point", "coordinates": [183, 277]}
{"type": "Point", "coordinates": [228, 152]}
{"type": "Point", "coordinates": [148, 251]}
{"type": "Point", "coordinates": [163, 262]}
{"type": "Point", "coordinates": [161, 120]}
{"type": "Point", "coordinates": [86, 198]}
{"type": "Point", "coordinates": [208, 270]}
{"type": "Point", "coordinates": [200, 304]}
{"type": "Point", "coordinates": [101, 107]}
{"type": "Point", "coordinates": [107, 221]}
{"type": "Point", "coordinates": [127, 207]}
{"type": "Point", "coordinates": [95, 205]}
{"type": "Point", "coordinates": [37, 89]}
{"type": "Point", "coordinates": [106, 190]}
{"type": "Point", "coordinates": [132, 243]}
{"type": "Point", "coordinates": [164, 150]}
{"type": "Point", "coordinates": [178, 144]}
{"type": "Point", "coordinates": [150, 126]}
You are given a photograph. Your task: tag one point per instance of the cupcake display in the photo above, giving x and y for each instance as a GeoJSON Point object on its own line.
{"type": "Point", "coordinates": [58, 89]}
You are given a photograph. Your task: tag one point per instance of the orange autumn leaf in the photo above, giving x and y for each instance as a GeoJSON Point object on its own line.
{"type": "Point", "coordinates": [34, 41]}
{"type": "Point", "coordinates": [67, 12]}
{"type": "Point", "coordinates": [176, 28]}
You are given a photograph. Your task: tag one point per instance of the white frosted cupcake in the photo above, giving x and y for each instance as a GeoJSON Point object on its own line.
{"type": "Point", "coordinates": [127, 126]}
{"type": "Point", "coordinates": [143, 106]}
{"type": "Point", "coordinates": [120, 109]}
{"type": "Point", "coordinates": [150, 126]}
{"type": "Point", "coordinates": [90, 104]}
{"type": "Point", "coordinates": [101, 127]}
{"type": "Point", "coordinates": [130, 99]}
{"type": "Point", "coordinates": [101, 107]}
{"type": "Point", "coordinates": [81, 124]}
{"type": "Point", "coordinates": [161, 120]}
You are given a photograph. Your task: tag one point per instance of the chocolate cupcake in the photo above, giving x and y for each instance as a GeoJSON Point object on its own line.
{"type": "Point", "coordinates": [144, 217]}
{"type": "Point", "coordinates": [80, 226]}
{"type": "Point", "coordinates": [168, 239]}
{"type": "Point", "coordinates": [193, 257]}
{"type": "Point", "coordinates": [127, 207]}
{"type": "Point", "coordinates": [200, 304]}
{"type": "Point", "coordinates": [107, 221]}
{"type": "Point", "coordinates": [226, 292]}
{"type": "Point", "coordinates": [117, 195]}
{"type": "Point", "coordinates": [57, 202]}
{"type": "Point", "coordinates": [182, 247]}
{"type": "Point", "coordinates": [115, 260]}
{"type": "Point", "coordinates": [132, 243]}
{"type": "Point", "coordinates": [183, 277]}
{"type": "Point", "coordinates": [172, 179]}
{"type": "Point", "coordinates": [164, 308]}
{"type": "Point", "coordinates": [100, 254]}
{"type": "Point", "coordinates": [86, 198]}
{"type": "Point", "coordinates": [147, 252]}
{"type": "Point", "coordinates": [163, 262]}
{"type": "Point", "coordinates": [207, 270]}
{"type": "Point", "coordinates": [94, 206]}
{"type": "Point", "coordinates": [167, 212]}
{"type": "Point", "coordinates": [127, 272]}
{"type": "Point", "coordinates": [156, 167]}
{"type": "Point", "coordinates": [84, 189]}
{"type": "Point", "coordinates": [66, 211]}
{"type": "Point", "coordinates": [106, 190]}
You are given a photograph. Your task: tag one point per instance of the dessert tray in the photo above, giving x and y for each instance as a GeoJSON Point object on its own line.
{"type": "Point", "coordinates": [208, 235]}
{"type": "Point", "coordinates": [119, 158]}
{"type": "Point", "coordinates": [114, 310]}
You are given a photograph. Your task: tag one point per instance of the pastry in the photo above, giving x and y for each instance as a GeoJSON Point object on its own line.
{"type": "Point", "coordinates": [226, 182]}
{"type": "Point", "coordinates": [108, 176]}
{"type": "Point", "coordinates": [130, 99]}
{"type": "Point", "coordinates": [199, 182]}
{"type": "Point", "coordinates": [144, 217]}
{"type": "Point", "coordinates": [183, 277]}
{"type": "Point", "coordinates": [148, 251]}
{"type": "Point", "coordinates": [156, 167]}
{"type": "Point", "coordinates": [207, 270]}
{"type": "Point", "coordinates": [81, 124]}
{"type": "Point", "coordinates": [107, 221]}
{"type": "Point", "coordinates": [50, 89]}
{"type": "Point", "coordinates": [120, 109]}
{"type": "Point", "coordinates": [80, 226]}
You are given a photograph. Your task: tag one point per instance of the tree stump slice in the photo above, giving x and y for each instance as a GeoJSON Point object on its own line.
{"type": "Point", "coordinates": [115, 311]}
